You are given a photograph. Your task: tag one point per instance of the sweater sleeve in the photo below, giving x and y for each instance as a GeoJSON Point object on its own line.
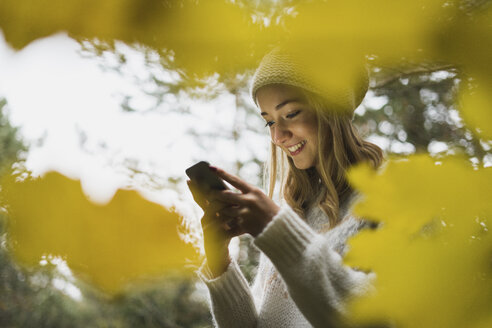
{"type": "Point", "coordinates": [315, 276]}
{"type": "Point", "coordinates": [230, 297]}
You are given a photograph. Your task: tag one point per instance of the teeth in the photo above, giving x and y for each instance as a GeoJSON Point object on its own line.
{"type": "Point", "coordinates": [296, 147]}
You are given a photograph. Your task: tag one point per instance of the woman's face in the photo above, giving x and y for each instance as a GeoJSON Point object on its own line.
{"type": "Point", "coordinates": [292, 123]}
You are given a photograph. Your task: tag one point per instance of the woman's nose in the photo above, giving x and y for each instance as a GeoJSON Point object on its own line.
{"type": "Point", "coordinates": [280, 134]}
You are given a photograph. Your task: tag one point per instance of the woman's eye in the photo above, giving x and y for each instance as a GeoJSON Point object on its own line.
{"type": "Point", "coordinates": [269, 123]}
{"type": "Point", "coordinates": [294, 114]}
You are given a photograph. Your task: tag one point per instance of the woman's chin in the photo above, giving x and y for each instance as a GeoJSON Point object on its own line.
{"type": "Point", "coordinates": [302, 166]}
{"type": "Point", "coordinates": [303, 163]}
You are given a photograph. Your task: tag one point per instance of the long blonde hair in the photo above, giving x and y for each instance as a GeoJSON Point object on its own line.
{"type": "Point", "coordinates": [339, 147]}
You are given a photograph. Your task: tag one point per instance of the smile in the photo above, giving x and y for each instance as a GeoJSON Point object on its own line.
{"type": "Point", "coordinates": [296, 149]}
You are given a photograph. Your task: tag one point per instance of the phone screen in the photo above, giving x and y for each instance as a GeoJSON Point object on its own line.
{"type": "Point", "coordinates": [204, 177]}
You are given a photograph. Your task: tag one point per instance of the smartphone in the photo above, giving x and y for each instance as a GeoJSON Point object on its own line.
{"type": "Point", "coordinates": [205, 179]}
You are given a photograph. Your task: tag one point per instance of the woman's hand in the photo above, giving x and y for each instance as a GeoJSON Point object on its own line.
{"type": "Point", "coordinates": [251, 209]}
{"type": "Point", "coordinates": [216, 233]}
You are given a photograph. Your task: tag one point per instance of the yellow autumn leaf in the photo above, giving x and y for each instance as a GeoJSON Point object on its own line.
{"type": "Point", "coordinates": [486, 323]}
{"type": "Point", "coordinates": [125, 241]}
{"type": "Point", "coordinates": [439, 188]}
{"type": "Point", "coordinates": [476, 107]}
{"type": "Point", "coordinates": [221, 36]}
{"type": "Point", "coordinates": [466, 41]}
{"type": "Point", "coordinates": [208, 36]}
{"type": "Point", "coordinates": [432, 254]}
{"type": "Point", "coordinates": [390, 29]}
{"type": "Point", "coordinates": [203, 36]}
{"type": "Point", "coordinates": [332, 39]}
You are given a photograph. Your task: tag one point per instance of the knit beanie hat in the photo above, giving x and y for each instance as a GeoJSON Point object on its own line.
{"type": "Point", "coordinates": [283, 67]}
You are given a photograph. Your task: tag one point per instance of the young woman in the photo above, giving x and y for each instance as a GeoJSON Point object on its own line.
{"type": "Point", "coordinates": [301, 280]}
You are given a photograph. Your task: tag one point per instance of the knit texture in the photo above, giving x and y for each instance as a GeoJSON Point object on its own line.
{"type": "Point", "coordinates": [301, 280]}
{"type": "Point", "coordinates": [282, 67]}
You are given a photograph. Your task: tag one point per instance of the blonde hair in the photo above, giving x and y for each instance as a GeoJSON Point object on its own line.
{"type": "Point", "coordinates": [339, 147]}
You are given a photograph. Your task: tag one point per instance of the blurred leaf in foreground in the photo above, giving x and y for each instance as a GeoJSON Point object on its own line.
{"type": "Point", "coordinates": [127, 240]}
{"type": "Point", "coordinates": [432, 255]}
{"type": "Point", "coordinates": [476, 107]}
{"type": "Point", "coordinates": [466, 40]}
{"type": "Point", "coordinates": [201, 37]}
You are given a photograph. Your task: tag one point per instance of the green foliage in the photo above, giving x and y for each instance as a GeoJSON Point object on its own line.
{"type": "Point", "coordinates": [421, 108]}
{"type": "Point", "coordinates": [11, 146]}
{"type": "Point", "coordinates": [170, 303]}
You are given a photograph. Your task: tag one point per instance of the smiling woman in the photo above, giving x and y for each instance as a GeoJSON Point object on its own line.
{"type": "Point", "coordinates": [293, 124]}
{"type": "Point", "coordinates": [301, 280]}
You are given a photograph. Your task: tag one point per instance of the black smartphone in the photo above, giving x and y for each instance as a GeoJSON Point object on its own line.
{"type": "Point", "coordinates": [205, 179]}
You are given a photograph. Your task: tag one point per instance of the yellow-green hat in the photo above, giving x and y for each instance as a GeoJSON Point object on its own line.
{"type": "Point", "coordinates": [283, 67]}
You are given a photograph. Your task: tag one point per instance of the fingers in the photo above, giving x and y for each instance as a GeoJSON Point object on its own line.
{"type": "Point", "coordinates": [233, 227]}
{"type": "Point", "coordinates": [232, 211]}
{"type": "Point", "coordinates": [204, 197]}
{"type": "Point", "coordinates": [235, 231]}
{"type": "Point", "coordinates": [232, 179]}
{"type": "Point", "coordinates": [229, 197]}
{"type": "Point", "coordinates": [227, 228]}
{"type": "Point", "coordinates": [232, 220]}
{"type": "Point", "coordinates": [224, 213]}
{"type": "Point", "coordinates": [216, 206]}
{"type": "Point", "coordinates": [215, 213]}
{"type": "Point", "coordinates": [224, 218]}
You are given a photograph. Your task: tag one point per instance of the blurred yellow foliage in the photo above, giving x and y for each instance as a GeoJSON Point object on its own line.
{"type": "Point", "coordinates": [221, 35]}
{"type": "Point", "coordinates": [476, 107]}
{"type": "Point", "coordinates": [432, 255]}
{"type": "Point", "coordinates": [467, 42]}
{"type": "Point", "coordinates": [204, 37]}
{"type": "Point", "coordinates": [333, 35]}
{"type": "Point", "coordinates": [109, 245]}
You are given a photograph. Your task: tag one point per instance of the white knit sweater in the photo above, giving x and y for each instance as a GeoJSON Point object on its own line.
{"type": "Point", "coordinates": [301, 280]}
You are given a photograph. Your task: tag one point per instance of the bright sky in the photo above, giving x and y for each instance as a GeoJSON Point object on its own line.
{"type": "Point", "coordinates": [69, 112]}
